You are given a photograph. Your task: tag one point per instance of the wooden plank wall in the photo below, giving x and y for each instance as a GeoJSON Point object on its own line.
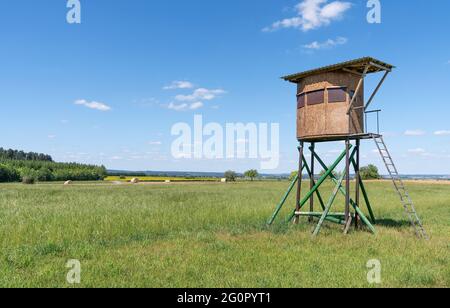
{"type": "Point", "coordinates": [330, 119]}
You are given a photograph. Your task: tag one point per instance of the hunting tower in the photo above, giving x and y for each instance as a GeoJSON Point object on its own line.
{"type": "Point", "coordinates": [331, 106]}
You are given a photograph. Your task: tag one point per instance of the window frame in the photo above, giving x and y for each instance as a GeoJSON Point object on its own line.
{"type": "Point", "coordinates": [299, 96]}
{"type": "Point", "coordinates": [315, 103]}
{"type": "Point", "coordinates": [344, 89]}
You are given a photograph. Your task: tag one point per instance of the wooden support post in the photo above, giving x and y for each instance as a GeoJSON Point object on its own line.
{"type": "Point", "coordinates": [319, 196]}
{"type": "Point", "coordinates": [376, 91]}
{"type": "Point", "coordinates": [312, 182]}
{"type": "Point", "coordinates": [348, 225]}
{"type": "Point", "coordinates": [358, 87]}
{"type": "Point", "coordinates": [366, 197]}
{"type": "Point", "coordinates": [347, 180]}
{"type": "Point", "coordinates": [299, 183]}
{"type": "Point", "coordinates": [358, 179]}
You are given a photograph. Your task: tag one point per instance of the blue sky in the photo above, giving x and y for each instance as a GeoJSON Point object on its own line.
{"type": "Point", "coordinates": [98, 92]}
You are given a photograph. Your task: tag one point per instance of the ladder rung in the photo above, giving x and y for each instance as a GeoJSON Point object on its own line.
{"type": "Point", "coordinates": [400, 187]}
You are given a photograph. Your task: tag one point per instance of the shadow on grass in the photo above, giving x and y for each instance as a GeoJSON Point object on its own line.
{"type": "Point", "coordinates": [390, 223]}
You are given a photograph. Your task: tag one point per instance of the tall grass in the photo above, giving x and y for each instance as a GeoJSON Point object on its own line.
{"type": "Point", "coordinates": [210, 235]}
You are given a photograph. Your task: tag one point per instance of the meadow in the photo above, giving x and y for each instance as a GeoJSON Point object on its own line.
{"type": "Point", "coordinates": [210, 235]}
{"type": "Point", "coordinates": [159, 179]}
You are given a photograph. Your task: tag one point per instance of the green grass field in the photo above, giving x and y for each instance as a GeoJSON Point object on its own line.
{"type": "Point", "coordinates": [159, 179]}
{"type": "Point", "coordinates": [210, 235]}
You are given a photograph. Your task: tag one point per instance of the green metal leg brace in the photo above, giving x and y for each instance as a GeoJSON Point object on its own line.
{"type": "Point", "coordinates": [319, 196]}
{"type": "Point", "coordinates": [328, 172]}
{"type": "Point", "coordinates": [338, 218]}
{"type": "Point", "coordinates": [366, 197]}
{"type": "Point", "coordinates": [352, 203]}
{"type": "Point", "coordinates": [330, 203]}
{"type": "Point", "coordinates": [283, 201]}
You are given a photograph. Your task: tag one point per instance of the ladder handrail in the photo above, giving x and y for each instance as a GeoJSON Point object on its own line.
{"type": "Point", "coordinates": [399, 185]}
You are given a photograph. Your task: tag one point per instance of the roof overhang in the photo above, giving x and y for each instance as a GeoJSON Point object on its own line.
{"type": "Point", "coordinates": [358, 66]}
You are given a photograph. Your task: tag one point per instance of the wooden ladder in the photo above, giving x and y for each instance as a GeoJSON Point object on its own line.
{"type": "Point", "coordinates": [400, 187]}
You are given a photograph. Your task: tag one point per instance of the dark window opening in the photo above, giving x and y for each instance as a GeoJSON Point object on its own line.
{"type": "Point", "coordinates": [301, 101]}
{"type": "Point", "coordinates": [337, 95]}
{"type": "Point", "coordinates": [316, 97]}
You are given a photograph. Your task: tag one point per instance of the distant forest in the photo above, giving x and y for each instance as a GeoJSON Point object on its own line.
{"type": "Point", "coordinates": [19, 166]}
{"type": "Point", "coordinates": [21, 155]}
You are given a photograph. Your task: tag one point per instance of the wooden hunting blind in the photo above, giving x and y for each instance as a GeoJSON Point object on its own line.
{"type": "Point", "coordinates": [331, 106]}
{"type": "Point", "coordinates": [330, 100]}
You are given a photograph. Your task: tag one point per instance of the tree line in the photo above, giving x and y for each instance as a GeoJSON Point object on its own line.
{"type": "Point", "coordinates": [33, 169]}
{"type": "Point", "coordinates": [21, 155]}
{"type": "Point", "coordinates": [369, 172]}
{"type": "Point", "coordinates": [231, 175]}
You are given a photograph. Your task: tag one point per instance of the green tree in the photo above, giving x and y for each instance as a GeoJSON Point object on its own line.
{"type": "Point", "coordinates": [230, 176]}
{"type": "Point", "coordinates": [8, 174]}
{"type": "Point", "coordinates": [21, 155]}
{"type": "Point", "coordinates": [335, 173]}
{"type": "Point", "coordinates": [370, 173]}
{"type": "Point", "coordinates": [293, 175]}
{"type": "Point", "coordinates": [251, 174]}
{"type": "Point", "coordinates": [50, 171]}
{"type": "Point", "coordinates": [44, 175]}
{"type": "Point", "coordinates": [29, 175]}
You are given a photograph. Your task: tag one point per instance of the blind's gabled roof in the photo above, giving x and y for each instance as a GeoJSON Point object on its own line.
{"type": "Point", "coordinates": [357, 65]}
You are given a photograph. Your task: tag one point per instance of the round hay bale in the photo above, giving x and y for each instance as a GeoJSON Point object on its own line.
{"type": "Point", "coordinates": [167, 181]}
{"type": "Point", "coordinates": [27, 180]}
{"type": "Point", "coordinates": [66, 183]}
{"type": "Point", "coordinates": [134, 181]}
{"type": "Point", "coordinates": [223, 180]}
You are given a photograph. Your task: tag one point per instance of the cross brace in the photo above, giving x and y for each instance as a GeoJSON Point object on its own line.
{"type": "Point", "coordinates": [326, 215]}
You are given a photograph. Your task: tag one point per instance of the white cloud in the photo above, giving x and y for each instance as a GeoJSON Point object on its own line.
{"type": "Point", "coordinates": [196, 105]}
{"type": "Point", "coordinates": [93, 105]}
{"type": "Point", "coordinates": [155, 143]}
{"type": "Point", "coordinates": [185, 106]}
{"type": "Point", "coordinates": [442, 133]}
{"type": "Point", "coordinates": [178, 107]}
{"type": "Point", "coordinates": [146, 102]}
{"type": "Point", "coordinates": [192, 101]}
{"type": "Point", "coordinates": [330, 43]}
{"type": "Point", "coordinates": [200, 94]}
{"type": "Point", "coordinates": [417, 151]}
{"type": "Point", "coordinates": [176, 85]}
{"type": "Point", "coordinates": [51, 136]}
{"type": "Point", "coordinates": [312, 14]}
{"type": "Point", "coordinates": [415, 133]}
